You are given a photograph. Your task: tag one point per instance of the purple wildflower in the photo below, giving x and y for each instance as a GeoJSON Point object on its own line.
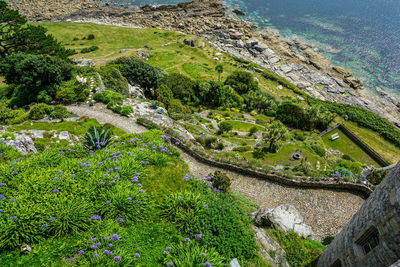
{"type": "Point", "coordinates": [110, 253]}
{"type": "Point", "coordinates": [207, 264]}
{"type": "Point", "coordinates": [137, 255]}
{"type": "Point", "coordinates": [116, 176]}
{"type": "Point", "coordinates": [135, 179]}
{"type": "Point", "coordinates": [129, 198]}
{"type": "Point", "coordinates": [110, 245]}
{"type": "Point", "coordinates": [96, 218]}
{"type": "Point", "coordinates": [198, 236]}
{"type": "Point", "coordinates": [170, 263]}
{"type": "Point", "coordinates": [56, 191]}
{"type": "Point", "coordinates": [139, 185]}
{"type": "Point", "coordinates": [13, 218]}
{"type": "Point", "coordinates": [106, 238]}
{"type": "Point", "coordinates": [98, 244]}
{"type": "Point", "coordinates": [94, 239]}
{"type": "Point", "coordinates": [97, 255]}
{"type": "Point", "coordinates": [52, 219]}
{"type": "Point", "coordinates": [117, 258]}
{"type": "Point", "coordinates": [115, 237]}
{"type": "Point", "coordinates": [205, 206]}
{"type": "Point", "coordinates": [80, 252]}
{"type": "Point", "coordinates": [2, 184]}
{"type": "Point", "coordinates": [102, 183]}
{"type": "Point", "coordinates": [120, 220]}
{"type": "Point", "coordinates": [187, 239]}
{"type": "Point", "coordinates": [203, 254]}
{"type": "Point", "coordinates": [108, 202]}
{"type": "Point", "coordinates": [93, 247]}
{"type": "Point", "coordinates": [112, 182]}
{"type": "Point", "coordinates": [106, 252]}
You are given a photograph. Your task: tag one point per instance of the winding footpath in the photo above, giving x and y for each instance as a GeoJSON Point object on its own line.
{"type": "Point", "coordinates": [326, 211]}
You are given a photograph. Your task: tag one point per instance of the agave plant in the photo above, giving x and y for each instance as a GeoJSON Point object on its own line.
{"type": "Point", "coordinates": [97, 138]}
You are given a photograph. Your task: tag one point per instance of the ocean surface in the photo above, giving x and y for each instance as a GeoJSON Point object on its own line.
{"type": "Point", "coordinates": [362, 36]}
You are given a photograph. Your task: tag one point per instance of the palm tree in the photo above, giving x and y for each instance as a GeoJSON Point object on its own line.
{"type": "Point", "coordinates": [220, 69]}
{"type": "Point", "coordinates": [276, 132]}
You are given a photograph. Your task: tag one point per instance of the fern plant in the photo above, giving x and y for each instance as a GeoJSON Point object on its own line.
{"type": "Point", "coordinates": [97, 138]}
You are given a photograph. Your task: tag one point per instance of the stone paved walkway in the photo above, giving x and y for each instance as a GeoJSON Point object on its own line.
{"type": "Point", "coordinates": [326, 211]}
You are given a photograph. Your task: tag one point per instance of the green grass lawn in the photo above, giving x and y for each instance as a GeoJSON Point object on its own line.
{"type": "Point", "coordinates": [283, 156]}
{"type": "Point", "coordinates": [345, 145]}
{"type": "Point", "coordinates": [385, 148]}
{"type": "Point", "coordinates": [242, 126]}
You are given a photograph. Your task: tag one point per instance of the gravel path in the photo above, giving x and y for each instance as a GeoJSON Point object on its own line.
{"type": "Point", "coordinates": [326, 211]}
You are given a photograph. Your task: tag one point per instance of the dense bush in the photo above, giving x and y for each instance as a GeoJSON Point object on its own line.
{"type": "Point", "coordinates": [9, 116]}
{"type": "Point", "coordinates": [242, 82]}
{"type": "Point", "coordinates": [293, 115]}
{"type": "Point", "coordinates": [113, 79]}
{"type": "Point", "coordinates": [164, 94]}
{"type": "Point", "coordinates": [220, 180]}
{"type": "Point", "coordinates": [225, 226]}
{"type": "Point", "coordinates": [90, 36]}
{"type": "Point", "coordinates": [260, 101]}
{"type": "Point", "coordinates": [32, 74]}
{"type": "Point", "coordinates": [38, 111]}
{"type": "Point", "coordinates": [140, 73]}
{"type": "Point", "coordinates": [299, 251]}
{"type": "Point", "coordinates": [181, 86]}
{"type": "Point", "coordinates": [376, 176]}
{"type": "Point", "coordinates": [89, 49]}
{"type": "Point", "coordinates": [71, 92]}
{"type": "Point", "coordinates": [114, 101]}
{"type": "Point", "coordinates": [225, 126]}
{"type": "Point", "coordinates": [177, 110]}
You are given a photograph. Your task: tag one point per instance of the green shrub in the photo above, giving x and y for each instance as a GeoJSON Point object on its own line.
{"type": "Point", "coordinates": [375, 177]}
{"type": "Point", "coordinates": [225, 226]}
{"type": "Point", "coordinates": [225, 126]}
{"type": "Point", "coordinates": [58, 112]}
{"type": "Point", "coordinates": [180, 85]}
{"type": "Point", "coordinates": [89, 49]}
{"type": "Point", "coordinates": [90, 36]}
{"type": "Point", "coordinates": [97, 138]}
{"type": "Point", "coordinates": [71, 92]}
{"type": "Point", "coordinates": [253, 130]}
{"type": "Point", "coordinates": [140, 73]}
{"type": "Point", "coordinates": [109, 96]}
{"type": "Point", "coordinates": [220, 180]}
{"type": "Point", "coordinates": [242, 148]}
{"type": "Point", "coordinates": [242, 82]}
{"type": "Point", "coordinates": [38, 111]}
{"type": "Point", "coordinates": [176, 109]}
{"type": "Point", "coordinates": [347, 157]}
{"type": "Point", "coordinates": [113, 79]}
{"type": "Point", "coordinates": [320, 150]}
{"type": "Point", "coordinates": [299, 251]}
{"type": "Point", "coordinates": [164, 94]}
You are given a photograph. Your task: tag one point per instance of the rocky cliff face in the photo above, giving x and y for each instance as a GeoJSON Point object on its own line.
{"type": "Point", "coordinates": [292, 59]}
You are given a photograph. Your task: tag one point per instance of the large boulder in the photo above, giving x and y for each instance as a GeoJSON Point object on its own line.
{"type": "Point", "coordinates": [285, 217]}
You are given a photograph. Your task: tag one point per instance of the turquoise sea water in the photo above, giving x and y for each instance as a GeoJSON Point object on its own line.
{"type": "Point", "coordinates": [360, 35]}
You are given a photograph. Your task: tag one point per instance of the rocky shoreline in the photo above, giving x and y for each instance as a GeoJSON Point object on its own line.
{"type": "Point", "coordinates": [296, 61]}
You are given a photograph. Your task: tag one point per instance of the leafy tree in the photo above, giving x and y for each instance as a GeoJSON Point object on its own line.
{"type": "Point", "coordinates": [15, 36]}
{"type": "Point", "coordinates": [220, 69]}
{"type": "Point", "coordinates": [242, 82]}
{"type": "Point", "coordinates": [32, 74]}
{"type": "Point", "coordinates": [320, 117]}
{"type": "Point", "coordinates": [216, 94]}
{"type": "Point", "coordinates": [293, 115]}
{"type": "Point", "coordinates": [276, 132]}
{"type": "Point", "coordinates": [181, 86]}
{"type": "Point", "coordinates": [139, 72]}
{"type": "Point", "coordinates": [260, 102]}
{"type": "Point", "coordinates": [232, 98]}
